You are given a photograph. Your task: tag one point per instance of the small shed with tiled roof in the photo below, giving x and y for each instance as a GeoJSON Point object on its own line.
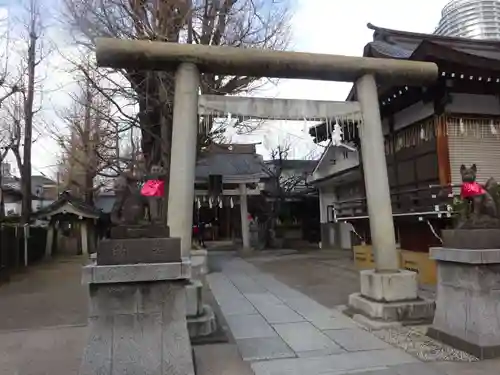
{"type": "Point", "coordinates": [72, 225]}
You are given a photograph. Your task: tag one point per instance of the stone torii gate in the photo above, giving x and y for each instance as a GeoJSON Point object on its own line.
{"type": "Point", "coordinates": [190, 60]}
{"type": "Point", "coordinates": [383, 289]}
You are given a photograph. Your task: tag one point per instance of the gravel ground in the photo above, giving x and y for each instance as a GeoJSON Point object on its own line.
{"type": "Point", "coordinates": [414, 341]}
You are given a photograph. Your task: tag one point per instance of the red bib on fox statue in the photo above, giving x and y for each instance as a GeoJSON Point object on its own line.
{"type": "Point", "coordinates": [153, 188]}
{"type": "Point", "coordinates": [471, 189]}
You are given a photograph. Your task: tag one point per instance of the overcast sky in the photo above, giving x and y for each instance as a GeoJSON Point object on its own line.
{"type": "Point", "coordinates": [338, 27]}
{"type": "Point", "coordinates": [320, 26]}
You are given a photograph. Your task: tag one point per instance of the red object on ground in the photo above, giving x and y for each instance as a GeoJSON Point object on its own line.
{"type": "Point", "coordinates": [471, 189]}
{"type": "Point", "coordinates": [153, 188]}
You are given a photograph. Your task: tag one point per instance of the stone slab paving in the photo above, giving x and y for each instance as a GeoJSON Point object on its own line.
{"type": "Point", "coordinates": [263, 348]}
{"type": "Point", "coordinates": [219, 359]}
{"type": "Point", "coordinates": [281, 331]}
{"type": "Point", "coordinates": [354, 340]}
{"type": "Point", "coordinates": [249, 326]}
{"type": "Point", "coordinates": [304, 337]}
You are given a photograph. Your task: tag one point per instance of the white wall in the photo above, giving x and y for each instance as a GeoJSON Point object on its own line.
{"type": "Point", "coordinates": [16, 206]}
{"type": "Point", "coordinates": [336, 160]}
{"type": "Point", "coordinates": [345, 235]}
{"type": "Point", "coordinates": [327, 197]}
{"type": "Point", "coordinates": [12, 206]}
{"type": "Point", "coordinates": [38, 204]}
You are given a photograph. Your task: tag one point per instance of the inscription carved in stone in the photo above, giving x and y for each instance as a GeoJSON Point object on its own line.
{"type": "Point", "coordinates": [138, 250]}
{"type": "Point", "coordinates": [119, 251]}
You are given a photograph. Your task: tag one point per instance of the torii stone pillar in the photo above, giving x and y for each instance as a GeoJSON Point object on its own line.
{"type": "Point", "coordinates": [245, 224]}
{"type": "Point", "coordinates": [183, 155]}
{"type": "Point", "coordinates": [376, 177]}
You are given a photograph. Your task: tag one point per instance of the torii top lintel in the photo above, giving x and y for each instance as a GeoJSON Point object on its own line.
{"type": "Point", "coordinates": [147, 55]}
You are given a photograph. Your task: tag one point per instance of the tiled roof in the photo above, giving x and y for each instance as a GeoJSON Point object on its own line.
{"type": "Point", "coordinates": [228, 165]}
{"type": "Point", "coordinates": [380, 33]}
{"type": "Point", "coordinates": [85, 209]}
{"type": "Point", "coordinates": [402, 44]}
{"type": "Point", "coordinates": [391, 50]}
{"type": "Point", "coordinates": [297, 164]}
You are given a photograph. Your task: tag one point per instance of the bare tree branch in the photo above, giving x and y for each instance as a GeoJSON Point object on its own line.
{"type": "Point", "coordinates": [238, 23]}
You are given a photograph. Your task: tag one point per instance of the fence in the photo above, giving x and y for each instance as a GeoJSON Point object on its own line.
{"type": "Point", "coordinates": [17, 251]}
{"type": "Point", "coordinates": [432, 200]}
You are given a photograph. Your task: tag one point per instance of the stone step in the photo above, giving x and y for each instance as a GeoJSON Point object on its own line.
{"type": "Point", "coordinates": [194, 298]}
{"type": "Point", "coordinates": [199, 267]}
{"type": "Point", "coordinates": [203, 325]}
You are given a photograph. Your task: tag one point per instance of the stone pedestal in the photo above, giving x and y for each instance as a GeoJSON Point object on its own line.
{"type": "Point", "coordinates": [390, 297]}
{"type": "Point", "coordinates": [468, 297]}
{"type": "Point", "coordinates": [200, 316]}
{"type": "Point", "coordinates": [137, 320]}
{"type": "Point", "coordinates": [389, 287]}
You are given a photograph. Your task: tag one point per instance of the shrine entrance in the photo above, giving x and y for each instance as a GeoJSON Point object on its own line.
{"type": "Point", "coordinates": [190, 60]}
{"type": "Point", "coordinates": [379, 287]}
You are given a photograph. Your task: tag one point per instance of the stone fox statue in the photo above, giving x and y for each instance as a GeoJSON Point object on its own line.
{"type": "Point", "coordinates": [482, 198]}
{"type": "Point", "coordinates": [130, 205]}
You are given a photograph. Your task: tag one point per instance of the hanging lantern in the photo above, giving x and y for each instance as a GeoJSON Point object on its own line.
{"type": "Point", "coordinates": [220, 202]}
{"type": "Point", "coordinates": [231, 202]}
{"type": "Point", "coordinates": [462, 127]}
{"type": "Point", "coordinates": [422, 133]}
{"type": "Point", "coordinates": [210, 202]}
{"type": "Point", "coordinates": [198, 202]}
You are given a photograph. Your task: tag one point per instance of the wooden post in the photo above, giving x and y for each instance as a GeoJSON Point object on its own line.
{"type": "Point", "coordinates": [85, 237]}
{"type": "Point", "coordinates": [50, 241]}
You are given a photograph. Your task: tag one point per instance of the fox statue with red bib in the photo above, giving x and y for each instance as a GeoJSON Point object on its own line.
{"type": "Point", "coordinates": [482, 208]}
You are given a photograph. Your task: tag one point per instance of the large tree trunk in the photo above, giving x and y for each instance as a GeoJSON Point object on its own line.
{"type": "Point", "coordinates": [146, 87]}
{"type": "Point", "coordinates": [156, 93]}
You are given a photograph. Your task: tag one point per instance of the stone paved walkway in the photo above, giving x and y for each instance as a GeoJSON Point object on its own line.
{"type": "Point", "coordinates": [283, 332]}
